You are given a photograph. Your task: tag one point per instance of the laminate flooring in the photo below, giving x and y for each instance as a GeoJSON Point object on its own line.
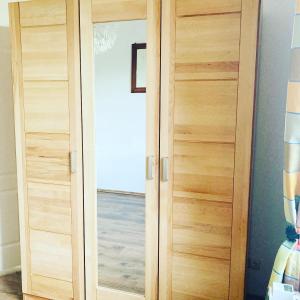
{"type": "Point", "coordinates": [11, 287]}
{"type": "Point", "coordinates": [121, 240]}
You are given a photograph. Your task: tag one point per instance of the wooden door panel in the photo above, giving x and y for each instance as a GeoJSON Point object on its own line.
{"type": "Point", "coordinates": [202, 227]}
{"type": "Point", "coordinates": [51, 255]}
{"type": "Point", "coordinates": [207, 47]}
{"type": "Point", "coordinates": [47, 158]}
{"type": "Point", "coordinates": [196, 7]}
{"type": "Point", "coordinates": [49, 207]}
{"type": "Point", "coordinates": [52, 288]}
{"type": "Point", "coordinates": [46, 106]}
{"type": "Point", "coordinates": [205, 111]}
{"type": "Point", "coordinates": [118, 10]}
{"type": "Point", "coordinates": [199, 278]}
{"type": "Point", "coordinates": [45, 39]}
{"type": "Point", "coordinates": [44, 53]}
{"type": "Point", "coordinates": [207, 96]}
{"type": "Point", "coordinates": [41, 13]}
{"type": "Point", "coordinates": [204, 169]}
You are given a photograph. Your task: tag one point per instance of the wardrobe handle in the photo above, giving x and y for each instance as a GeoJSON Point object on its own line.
{"type": "Point", "coordinates": [165, 169]}
{"type": "Point", "coordinates": [73, 159]}
{"type": "Point", "coordinates": [149, 167]}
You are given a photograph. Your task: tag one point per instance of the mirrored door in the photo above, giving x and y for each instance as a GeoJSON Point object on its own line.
{"type": "Point", "coordinates": [120, 121]}
{"type": "Point", "coordinates": [121, 146]}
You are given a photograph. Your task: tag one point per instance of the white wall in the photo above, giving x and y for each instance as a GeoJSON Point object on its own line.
{"type": "Point", "coordinates": [267, 218]}
{"type": "Point", "coordinates": [4, 20]}
{"type": "Point", "coordinates": [9, 227]}
{"type": "Point", "coordinates": [120, 115]}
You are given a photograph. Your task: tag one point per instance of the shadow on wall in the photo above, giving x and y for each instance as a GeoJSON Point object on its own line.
{"type": "Point", "coordinates": [9, 227]}
{"type": "Point", "coordinates": [267, 218]}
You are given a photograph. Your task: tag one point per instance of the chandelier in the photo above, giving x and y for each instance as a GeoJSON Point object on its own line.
{"type": "Point", "coordinates": [105, 36]}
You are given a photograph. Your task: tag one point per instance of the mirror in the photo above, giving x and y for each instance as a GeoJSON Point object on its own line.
{"type": "Point", "coordinates": [120, 118]}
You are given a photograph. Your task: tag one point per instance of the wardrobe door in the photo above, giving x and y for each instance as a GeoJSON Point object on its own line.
{"type": "Point", "coordinates": [120, 128]}
{"type": "Point", "coordinates": [207, 94]}
{"type": "Point", "coordinates": [45, 40]}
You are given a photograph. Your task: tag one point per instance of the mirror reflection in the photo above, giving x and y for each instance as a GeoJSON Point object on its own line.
{"type": "Point", "coordinates": [120, 118]}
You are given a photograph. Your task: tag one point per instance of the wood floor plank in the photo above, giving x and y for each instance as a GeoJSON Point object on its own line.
{"type": "Point", "coordinates": [121, 239]}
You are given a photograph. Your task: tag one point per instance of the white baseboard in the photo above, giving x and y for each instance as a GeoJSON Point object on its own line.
{"type": "Point", "coordinates": [10, 271]}
{"type": "Point", "coordinates": [10, 258]}
{"type": "Point", "coordinates": [120, 192]}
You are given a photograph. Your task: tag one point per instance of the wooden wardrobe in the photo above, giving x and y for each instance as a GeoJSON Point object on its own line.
{"type": "Point", "coordinates": [200, 100]}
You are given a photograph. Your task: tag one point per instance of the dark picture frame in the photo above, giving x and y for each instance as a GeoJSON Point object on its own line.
{"type": "Point", "coordinates": [134, 50]}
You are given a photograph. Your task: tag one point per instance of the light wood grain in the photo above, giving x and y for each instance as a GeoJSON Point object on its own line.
{"type": "Point", "coordinates": [246, 94]}
{"type": "Point", "coordinates": [293, 103]}
{"type": "Point", "coordinates": [204, 169]}
{"type": "Point", "coordinates": [74, 76]}
{"type": "Point", "coordinates": [20, 143]}
{"type": "Point", "coordinates": [47, 158]}
{"type": "Point", "coordinates": [88, 136]}
{"type": "Point", "coordinates": [207, 47]}
{"type": "Point", "coordinates": [46, 12]}
{"type": "Point", "coordinates": [51, 255]}
{"type": "Point", "coordinates": [152, 148]}
{"type": "Point", "coordinates": [51, 71]}
{"type": "Point", "coordinates": [118, 10]}
{"type": "Point", "coordinates": [30, 297]}
{"type": "Point", "coordinates": [202, 227]}
{"type": "Point", "coordinates": [121, 242]}
{"type": "Point", "coordinates": [298, 6]}
{"type": "Point", "coordinates": [46, 106]}
{"type": "Point", "coordinates": [107, 11]}
{"type": "Point", "coordinates": [196, 7]}
{"type": "Point", "coordinates": [52, 288]}
{"type": "Point", "coordinates": [205, 111]}
{"type": "Point", "coordinates": [199, 278]}
{"type": "Point", "coordinates": [166, 148]}
{"type": "Point", "coordinates": [49, 207]}
{"type": "Point", "coordinates": [44, 53]}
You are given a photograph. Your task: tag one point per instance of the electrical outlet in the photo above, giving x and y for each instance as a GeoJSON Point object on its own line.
{"type": "Point", "coordinates": [254, 264]}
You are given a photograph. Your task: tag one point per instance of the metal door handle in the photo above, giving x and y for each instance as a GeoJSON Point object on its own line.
{"type": "Point", "coordinates": [165, 169]}
{"type": "Point", "coordinates": [149, 167]}
{"type": "Point", "coordinates": [73, 158]}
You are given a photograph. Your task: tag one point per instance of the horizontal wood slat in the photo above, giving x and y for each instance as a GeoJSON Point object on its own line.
{"type": "Point", "coordinates": [205, 111]}
{"type": "Point", "coordinates": [196, 7]}
{"type": "Point", "coordinates": [46, 106]}
{"type": "Point", "coordinates": [49, 207]}
{"type": "Point", "coordinates": [44, 53]}
{"type": "Point", "coordinates": [196, 277]}
{"type": "Point", "coordinates": [202, 227]}
{"type": "Point", "coordinates": [204, 169]}
{"type": "Point", "coordinates": [118, 10]}
{"type": "Point", "coordinates": [46, 12]}
{"type": "Point", "coordinates": [47, 158]}
{"type": "Point", "coordinates": [207, 47]}
{"type": "Point", "coordinates": [52, 288]}
{"type": "Point", "coordinates": [51, 255]}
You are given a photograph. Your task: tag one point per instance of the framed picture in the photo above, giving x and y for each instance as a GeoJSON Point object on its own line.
{"type": "Point", "coordinates": [138, 68]}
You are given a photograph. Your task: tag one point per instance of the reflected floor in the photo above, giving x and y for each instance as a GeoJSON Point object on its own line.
{"type": "Point", "coordinates": [121, 239]}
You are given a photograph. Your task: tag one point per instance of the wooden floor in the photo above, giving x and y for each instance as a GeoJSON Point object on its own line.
{"type": "Point", "coordinates": [121, 239]}
{"type": "Point", "coordinates": [10, 287]}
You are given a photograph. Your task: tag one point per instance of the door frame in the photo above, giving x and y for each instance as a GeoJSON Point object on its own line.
{"type": "Point", "coordinates": [87, 15]}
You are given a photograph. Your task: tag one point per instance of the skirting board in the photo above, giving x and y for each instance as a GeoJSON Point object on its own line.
{"type": "Point", "coordinates": [9, 259]}
{"type": "Point", "coordinates": [121, 192]}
